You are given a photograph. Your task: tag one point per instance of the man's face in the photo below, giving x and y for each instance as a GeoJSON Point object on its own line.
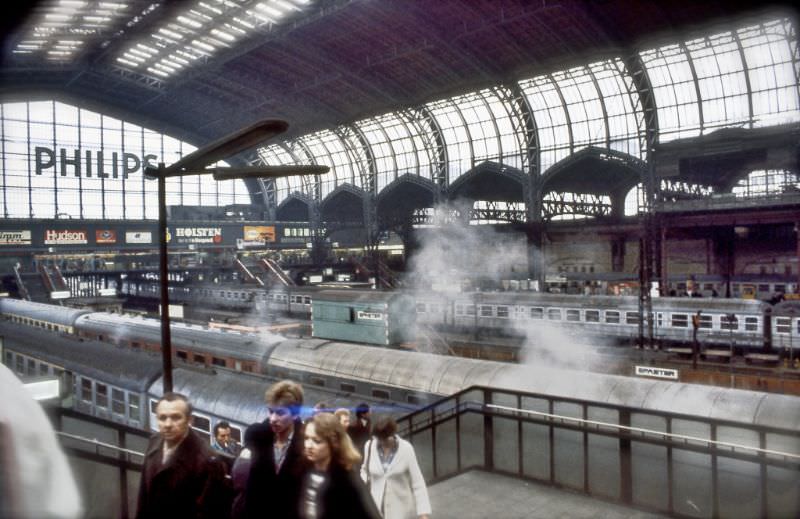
{"type": "Point", "coordinates": [173, 420]}
{"type": "Point", "coordinates": [223, 436]}
{"type": "Point", "coordinates": [280, 420]}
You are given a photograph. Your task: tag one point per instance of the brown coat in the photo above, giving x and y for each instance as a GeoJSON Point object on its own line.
{"type": "Point", "coordinates": [191, 484]}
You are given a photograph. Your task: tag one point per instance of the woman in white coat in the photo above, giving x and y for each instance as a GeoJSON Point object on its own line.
{"type": "Point", "coordinates": [392, 474]}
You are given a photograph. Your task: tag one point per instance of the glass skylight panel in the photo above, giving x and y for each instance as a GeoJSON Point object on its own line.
{"type": "Point", "coordinates": [204, 29]}
{"type": "Point", "coordinates": [65, 26]}
{"type": "Point", "coordinates": [550, 116]}
{"type": "Point", "coordinates": [456, 137]}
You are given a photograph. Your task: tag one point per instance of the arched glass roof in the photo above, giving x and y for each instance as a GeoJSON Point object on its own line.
{"type": "Point", "coordinates": [745, 77]}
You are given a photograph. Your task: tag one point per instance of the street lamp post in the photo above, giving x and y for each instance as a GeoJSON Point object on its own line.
{"type": "Point", "coordinates": [195, 164]}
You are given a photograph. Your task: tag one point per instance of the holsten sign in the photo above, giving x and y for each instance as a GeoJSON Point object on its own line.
{"type": "Point", "coordinates": [89, 163]}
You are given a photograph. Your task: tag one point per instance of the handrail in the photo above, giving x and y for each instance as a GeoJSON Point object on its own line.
{"type": "Point", "coordinates": [97, 443]}
{"type": "Point", "coordinates": [23, 290]}
{"type": "Point", "coordinates": [665, 435]}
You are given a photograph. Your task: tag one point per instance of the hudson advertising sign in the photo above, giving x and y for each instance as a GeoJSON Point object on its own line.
{"type": "Point", "coordinates": [65, 237]}
{"type": "Point", "coordinates": [15, 237]}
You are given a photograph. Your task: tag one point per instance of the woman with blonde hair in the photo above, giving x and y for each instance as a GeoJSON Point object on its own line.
{"type": "Point", "coordinates": [331, 488]}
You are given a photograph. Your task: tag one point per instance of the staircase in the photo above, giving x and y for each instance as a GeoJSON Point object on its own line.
{"type": "Point", "coordinates": [274, 270]}
{"type": "Point", "coordinates": [247, 275]}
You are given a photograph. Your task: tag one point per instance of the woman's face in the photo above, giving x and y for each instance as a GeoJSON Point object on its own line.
{"type": "Point", "coordinates": [317, 450]}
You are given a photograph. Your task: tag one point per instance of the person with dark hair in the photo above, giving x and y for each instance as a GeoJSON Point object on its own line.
{"type": "Point", "coordinates": [273, 451]}
{"type": "Point", "coordinates": [331, 489]}
{"type": "Point", "coordinates": [392, 474]}
{"type": "Point", "coordinates": [359, 430]}
{"type": "Point", "coordinates": [223, 441]}
{"type": "Point", "coordinates": [181, 477]}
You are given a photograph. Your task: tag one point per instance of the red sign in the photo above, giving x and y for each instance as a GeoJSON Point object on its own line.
{"type": "Point", "coordinates": [65, 237]}
{"type": "Point", "coordinates": [105, 236]}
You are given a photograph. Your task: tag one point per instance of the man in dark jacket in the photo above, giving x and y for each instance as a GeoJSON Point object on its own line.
{"type": "Point", "coordinates": [277, 464]}
{"type": "Point", "coordinates": [360, 430]}
{"type": "Point", "coordinates": [181, 476]}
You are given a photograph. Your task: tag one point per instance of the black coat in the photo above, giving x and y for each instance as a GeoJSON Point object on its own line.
{"type": "Point", "coordinates": [269, 494]}
{"type": "Point", "coordinates": [359, 433]}
{"type": "Point", "coordinates": [191, 484]}
{"type": "Point", "coordinates": [344, 496]}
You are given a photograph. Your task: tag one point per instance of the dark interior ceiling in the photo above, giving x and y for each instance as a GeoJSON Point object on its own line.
{"type": "Point", "coordinates": [348, 59]}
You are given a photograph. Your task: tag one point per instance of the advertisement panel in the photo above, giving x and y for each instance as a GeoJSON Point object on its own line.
{"type": "Point", "coordinates": [105, 236]}
{"type": "Point", "coordinates": [65, 237]}
{"type": "Point", "coordinates": [15, 237]}
{"type": "Point", "coordinates": [194, 235]}
{"type": "Point", "coordinates": [260, 234]}
{"type": "Point", "coordinates": [139, 237]}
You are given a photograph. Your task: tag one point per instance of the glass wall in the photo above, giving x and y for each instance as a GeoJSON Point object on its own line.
{"type": "Point", "coordinates": [62, 161]}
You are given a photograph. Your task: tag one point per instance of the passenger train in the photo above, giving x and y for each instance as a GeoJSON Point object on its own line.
{"type": "Point", "coordinates": [119, 383]}
{"type": "Point", "coordinates": [747, 325]}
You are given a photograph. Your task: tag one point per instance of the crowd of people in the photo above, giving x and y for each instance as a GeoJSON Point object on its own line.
{"type": "Point", "coordinates": [330, 466]}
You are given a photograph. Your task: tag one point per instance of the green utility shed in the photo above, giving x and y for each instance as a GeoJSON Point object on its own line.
{"type": "Point", "coordinates": [365, 316]}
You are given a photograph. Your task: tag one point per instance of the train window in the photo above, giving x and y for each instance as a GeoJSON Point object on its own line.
{"type": "Point", "coordinates": [307, 300]}
{"type": "Point", "coordinates": [537, 313]}
{"type": "Point", "coordinates": [199, 358]}
{"type": "Point", "coordinates": [86, 390]}
{"type": "Point", "coordinates": [705, 322]}
{"type": "Point", "coordinates": [486, 311]}
{"type": "Point", "coordinates": [316, 381]}
{"type": "Point", "coordinates": [573, 315]}
{"type": "Point", "coordinates": [133, 406]}
{"type": "Point", "coordinates": [470, 310]}
{"type": "Point", "coordinates": [236, 434]}
{"type": "Point", "coordinates": [101, 395]}
{"type": "Point", "coordinates": [727, 323]}
{"type": "Point", "coordinates": [680, 320]}
{"type": "Point", "coordinates": [182, 355]}
{"type": "Point", "coordinates": [783, 325]}
{"type": "Point", "coordinates": [117, 401]}
{"type": "Point", "coordinates": [153, 405]}
{"type": "Point", "coordinates": [218, 361]}
{"type": "Point", "coordinates": [201, 423]}
{"type": "Point", "coordinates": [612, 316]}
{"type": "Point", "coordinates": [592, 316]}
{"type": "Point", "coordinates": [9, 358]}
{"type": "Point", "coordinates": [708, 286]}
{"type": "Point", "coordinates": [420, 308]}
{"type": "Point", "coordinates": [763, 287]}
{"type": "Point", "coordinates": [681, 287]}
{"type": "Point", "coordinates": [502, 311]}
{"type": "Point", "coordinates": [751, 324]}
{"type": "Point", "coordinates": [31, 367]}
{"type": "Point", "coordinates": [780, 288]}
{"type": "Point", "coordinates": [554, 314]}
{"type": "Point", "coordinates": [380, 393]}
{"type": "Point", "coordinates": [411, 399]}
{"type": "Point", "coordinates": [350, 388]}
{"type": "Point", "coordinates": [631, 317]}
{"type": "Point", "coordinates": [44, 369]}
{"type": "Point", "coordinates": [459, 309]}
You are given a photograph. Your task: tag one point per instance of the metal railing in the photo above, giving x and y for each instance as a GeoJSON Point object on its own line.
{"type": "Point", "coordinates": [681, 465]}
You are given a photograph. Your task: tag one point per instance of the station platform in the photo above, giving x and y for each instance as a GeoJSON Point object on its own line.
{"type": "Point", "coordinates": [479, 494]}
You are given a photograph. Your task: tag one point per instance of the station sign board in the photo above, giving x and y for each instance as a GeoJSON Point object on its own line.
{"type": "Point", "coordinates": [195, 235]}
{"type": "Point", "coordinates": [139, 237]}
{"type": "Point", "coordinates": [369, 316]}
{"type": "Point", "coordinates": [105, 236]}
{"type": "Point", "coordinates": [15, 237]}
{"type": "Point", "coordinates": [654, 372]}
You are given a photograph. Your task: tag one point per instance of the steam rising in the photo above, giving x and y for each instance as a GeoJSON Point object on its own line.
{"type": "Point", "coordinates": [455, 255]}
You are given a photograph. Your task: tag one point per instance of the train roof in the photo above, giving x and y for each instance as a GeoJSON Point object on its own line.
{"type": "Point", "coordinates": [442, 375]}
{"type": "Point", "coordinates": [603, 301]}
{"type": "Point", "coordinates": [101, 361]}
{"type": "Point", "coordinates": [51, 313]}
{"type": "Point", "coordinates": [240, 396]}
{"type": "Point", "coordinates": [360, 296]}
{"type": "Point", "coordinates": [193, 336]}
{"type": "Point", "coordinates": [789, 308]}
